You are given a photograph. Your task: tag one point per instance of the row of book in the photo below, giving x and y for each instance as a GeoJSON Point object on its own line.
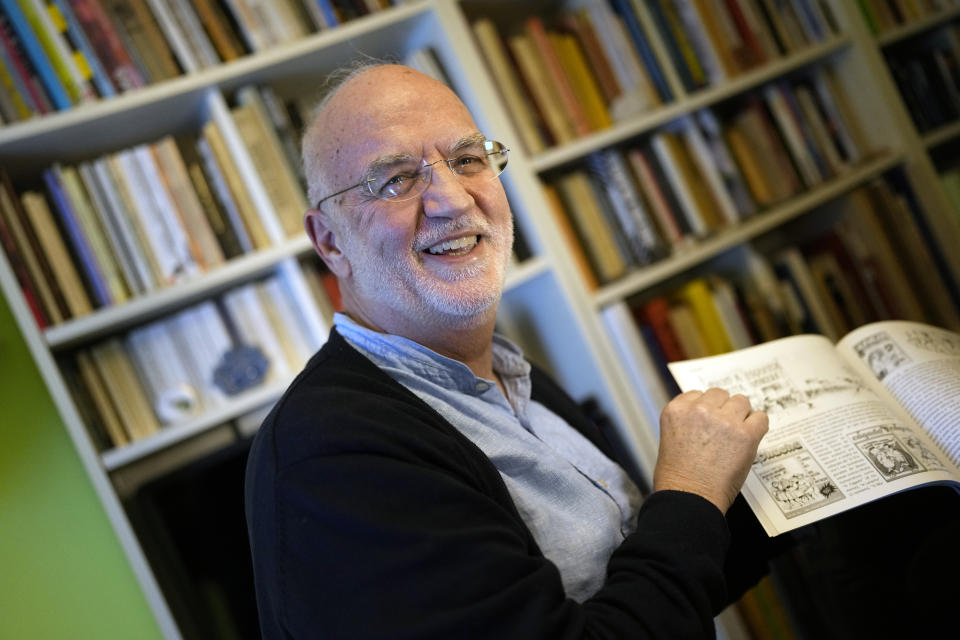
{"type": "Point", "coordinates": [872, 264]}
{"type": "Point", "coordinates": [181, 367]}
{"type": "Point", "coordinates": [585, 69]}
{"type": "Point", "coordinates": [705, 171]}
{"type": "Point", "coordinates": [55, 54]}
{"type": "Point", "coordinates": [927, 73]}
{"type": "Point", "coordinates": [131, 222]}
{"type": "Point", "coordinates": [886, 15]}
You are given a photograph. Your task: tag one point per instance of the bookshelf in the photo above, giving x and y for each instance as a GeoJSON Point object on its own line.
{"type": "Point", "coordinates": [550, 307]}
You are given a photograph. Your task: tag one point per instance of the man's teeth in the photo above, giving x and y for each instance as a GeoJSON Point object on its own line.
{"type": "Point", "coordinates": [453, 245]}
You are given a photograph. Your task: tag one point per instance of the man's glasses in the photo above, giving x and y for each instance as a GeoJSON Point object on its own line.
{"type": "Point", "coordinates": [406, 179]}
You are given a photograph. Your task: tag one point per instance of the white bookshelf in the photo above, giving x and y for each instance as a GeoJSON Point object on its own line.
{"type": "Point", "coordinates": [546, 306]}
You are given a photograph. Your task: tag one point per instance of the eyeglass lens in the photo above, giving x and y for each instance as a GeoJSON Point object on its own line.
{"type": "Point", "coordinates": [405, 180]}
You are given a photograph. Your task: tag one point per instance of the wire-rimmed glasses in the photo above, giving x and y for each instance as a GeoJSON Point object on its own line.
{"type": "Point", "coordinates": [405, 179]}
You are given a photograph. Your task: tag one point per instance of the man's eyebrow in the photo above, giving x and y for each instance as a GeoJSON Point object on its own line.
{"type": "Point", "coordinates": [472, 140]}
{"type": "Point", "coordinates": [389, 161]}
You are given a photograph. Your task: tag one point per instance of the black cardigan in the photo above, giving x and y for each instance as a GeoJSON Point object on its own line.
{"type": "Point", "coordinates": [371, 516]}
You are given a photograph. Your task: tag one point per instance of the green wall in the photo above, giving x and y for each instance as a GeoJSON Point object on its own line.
{"type": "Point", "coordinates": [63, 573]}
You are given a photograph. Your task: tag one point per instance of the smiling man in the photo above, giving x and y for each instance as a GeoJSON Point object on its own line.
{"type": "Point", "coordinates": [420, 479]}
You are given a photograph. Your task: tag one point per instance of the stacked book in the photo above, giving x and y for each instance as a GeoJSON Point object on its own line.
{"type": "Point", "coordinates": [705, 171]}
{"type": "Point", "coordinates": [55, 54]}
{"type": "Point", "coordinates": [131, 222]}
{"type": "Point", "coordinates": [585, 69]}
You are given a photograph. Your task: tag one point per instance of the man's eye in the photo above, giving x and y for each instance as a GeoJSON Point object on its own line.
{"type": "Point", "coordinates": [468, 163]}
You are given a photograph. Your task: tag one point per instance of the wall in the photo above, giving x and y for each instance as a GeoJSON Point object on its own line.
{"type": "Point", "coordinates": [62, 571]}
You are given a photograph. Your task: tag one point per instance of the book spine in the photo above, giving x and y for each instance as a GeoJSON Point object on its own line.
{"type": "Point", "coordinates": [48, 76]}
{"type": "Point", "coordinates": [78, 240]}
{"type": "Point", "coordinates": [635, 30]}
{"type": "Point", "coordinates": [100, 77]}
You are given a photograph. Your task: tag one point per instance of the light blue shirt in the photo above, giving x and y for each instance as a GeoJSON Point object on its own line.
{"type": "Point", "coordinates": [578, 504]}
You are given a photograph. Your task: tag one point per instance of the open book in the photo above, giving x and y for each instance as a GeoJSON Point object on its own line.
{"type": "Point", "coordinates": [875, 414]}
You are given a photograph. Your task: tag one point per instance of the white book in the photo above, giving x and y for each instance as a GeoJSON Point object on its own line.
{"type": "Point", "coordinates": [164, 205]}
{"type": "Point", "coordinates": [638, 96]}
{"type": "Point", "coordinates": [681, 191]}
{"type": "Point", "coordinates": [792, 135]}
{"type": "Point", "coordinates": [164, 376]}
{"type": "Point", "coordinates": [254, 328]}
{"type": "Point", "coordinates": [123, 240]}
{"type": "Point", "coordinates": [218, 184]}
{"type": "Point", "coordinates": [202, 340]}
{"type": "Point", "coordinates": [725, 301]}
{"type": "Point", "coordinates": [150, 221]}
{"type": "Point", "coordinates": [835, 116]}
{"type": "Point", "coordinates": [700, 153]}
{"type": "Point", "coordinates": [174, 34]}
{"type": "Point", "coordinates": [723, 159]}
{"type": "Point", "coordinates": [818, 129]}
{"type": "Point", "coordinates": [703, 48]}
{"type": "Point", "coordinates": [642, 373]}
{"type": "Point", "coordinates": [289, 312]}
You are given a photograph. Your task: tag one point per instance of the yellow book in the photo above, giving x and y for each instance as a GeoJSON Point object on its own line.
{"type": "Point", "coordinates": [594, 230]}
{"type": "Point", "coordinates": [201, 239]}
{"type": "Point", "coordinates": [706, 9]}
{"type": "Point", "coordinates": [70, 179]}
{"type": "Point", "coordinates": [125, 390]}
{"type": "Point", "coordinates": [64, 271]}
{"type": "Point", "coordinates": [544, 94]}
{"type": "Point", "coordinates": [23, 111]}
{"type": "Point", "coordinates": [249, 213]}
{"type": "Point", "coordinates": [95, 385]}
{"type": "Point", "coordinates": [696, 294]}
{"type": "Point", "coordinates": [48, 298]}
{"type": "Point", "coordinates": [62, 63]}
{"type": "Point", "coordinates": [505, 75]}
{"type": "Point", "coordinates": [582, 81]}
{"type": "Point", "coordinates": [266, 151]}
{"type": "Point", "coordinates": [570, 237]}
{"type": "Point", "coordinates": [751, 168]}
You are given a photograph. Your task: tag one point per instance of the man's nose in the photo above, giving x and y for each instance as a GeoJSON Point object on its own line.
{"type": "Point", "coordinates": [445, 195]}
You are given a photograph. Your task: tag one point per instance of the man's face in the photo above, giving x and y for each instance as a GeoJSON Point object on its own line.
{"type": "Point", "coordinates": [439, 257]}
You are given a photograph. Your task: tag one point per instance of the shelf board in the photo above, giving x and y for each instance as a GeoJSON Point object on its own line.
{"type": "Point", "coordinates": [113, 318]}
{"type": "Point", "coordinates": [525, 271]}
{"type": "Point", "coordinates": [171, 435]}
{"type": "Point", "coordinates": [941, 134]}
{"type": "Point", "coordinates": [151, 111]}
{"type": "Point", "coordinates": [917, 26]}
{"type": "Point", "coordinates": [564, 154]}
{"type": "Point", "coordinates": [645, 277]}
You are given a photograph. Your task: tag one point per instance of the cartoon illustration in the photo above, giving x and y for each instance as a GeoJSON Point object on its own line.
{"type": "Point", "coordinates": [794, 479]}
{"type": "Point", "coordinates": [881, 353]}
{"type": "Point", "coordinates": [894, 452]}
{"type": "Point", "coordinates": [936, 341]}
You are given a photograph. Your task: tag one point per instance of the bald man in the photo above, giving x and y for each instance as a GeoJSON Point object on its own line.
{"type": "Point", "coordinates": [421, 479]}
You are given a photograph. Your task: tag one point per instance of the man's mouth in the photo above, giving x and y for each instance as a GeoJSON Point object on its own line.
{"type": "Point", "coordinates": [456, 247]}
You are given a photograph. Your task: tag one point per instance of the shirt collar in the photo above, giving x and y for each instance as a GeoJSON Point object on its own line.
{"type": "Point", "coordinates": [396, 351]}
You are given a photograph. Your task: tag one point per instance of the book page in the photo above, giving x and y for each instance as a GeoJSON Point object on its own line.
{"type": "Point", "coordinates": [920, 366]}
{"type": "Point", "coordinates": [833, 443]}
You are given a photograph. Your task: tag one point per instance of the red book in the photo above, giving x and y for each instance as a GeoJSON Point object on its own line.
{"type": "Point", "coordinates": [20, 270]}
{"type": "Point", "coordinates": [107, 44]}
{"type": "Point", "coordinates": [754, 54]}
{"type": "Point", "coordinates": [656, 314]}
{"type": "Point", "coordinates": [37, 99]}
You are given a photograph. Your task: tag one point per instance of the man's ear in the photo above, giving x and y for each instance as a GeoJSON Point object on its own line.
{"type": "Point", "coordinates": [325, 242]}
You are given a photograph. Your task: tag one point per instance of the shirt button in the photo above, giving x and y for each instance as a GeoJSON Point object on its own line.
{"type": "Point", "coordinates": [482, 386]}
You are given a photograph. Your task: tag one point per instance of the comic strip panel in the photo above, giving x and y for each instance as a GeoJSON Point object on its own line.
{"type": "Point", "coordinates": [881, 353]}
{"type": "Point", "coordinates": [894, 452]}
{"type": "Point", "coordinates": [794, 479]}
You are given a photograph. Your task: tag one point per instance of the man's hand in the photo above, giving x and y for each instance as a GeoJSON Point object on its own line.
{"type": "Point", "coordinates": [707, 442]}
